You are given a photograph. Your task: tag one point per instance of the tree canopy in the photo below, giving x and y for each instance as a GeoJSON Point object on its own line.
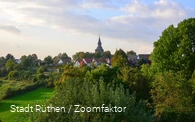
{"type": "Point", "coordinates": [119, 58]}
{"type": "Point", "coordinates": [175, 50]}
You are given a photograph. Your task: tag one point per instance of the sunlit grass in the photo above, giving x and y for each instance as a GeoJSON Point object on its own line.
{"type": "Point", "coordinates": [40, 95]}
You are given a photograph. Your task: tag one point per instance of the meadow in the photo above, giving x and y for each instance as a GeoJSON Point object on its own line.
{"type": "Point", "coordinates": [38, 96]}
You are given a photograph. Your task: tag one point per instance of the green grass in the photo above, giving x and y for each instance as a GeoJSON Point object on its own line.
{"type": "Point", "coordinates": [40, 96]}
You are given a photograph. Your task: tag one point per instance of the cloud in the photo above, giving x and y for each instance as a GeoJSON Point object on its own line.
{"type": "Point", "coordinates": [138, 22]}
{"type": "Point", "coordinates": [10, 28]}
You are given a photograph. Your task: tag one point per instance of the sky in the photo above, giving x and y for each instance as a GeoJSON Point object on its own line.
{"type": "Point", "coordinates": [50, 27]}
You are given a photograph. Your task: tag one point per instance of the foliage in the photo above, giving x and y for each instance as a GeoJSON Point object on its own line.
{"type": "Point", "coordinates": [104, 71]}
{"type": "Point", "coordinates": [9, 56]}
{"type": "Point", "coordinates": [28, 61]}
{"type": "Point", "coordinates": [40, 76]}
{"type": "Point", "coordinates": [142, 61]}
{"type": "Point", "coordinates": [3, 72]}
{"type": "Point", "coordinates": [120, 58]}
{"type": "Point", "coordinates": [131, 53]}
{"type": "Point", "coordinates": [49, 83]}
{"type": "Point", "coordinates": [10, 65]}
{"type": "Point", "coordinates": [81, 55]}
{"type": "Point", "coordinates": [61, 56]}
{"type": "Point", "coordinates": [171, 93]}
{"type": "Point", "coordinates": [136, 82]}
{"type": "Point", "coordinates": [41, 69]}
{"type": "Point", "coordinates": [70, 71]}
{"type": "Point", "coordinates": [2, 62]}
{"type": "Point", "coordinates": [48, 60]}
{"type": "Point", "coordinates": [107, 54]}
{"type": "Point", "coordinates": [175, 49]}
{"type": "Point", "coordinates": [87, 94]}
{"type": "Point", "coordinates": [13, 75]}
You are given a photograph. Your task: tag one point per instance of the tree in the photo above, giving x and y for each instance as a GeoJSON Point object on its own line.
{"type": "Point", "coordinates": [172, 66]}
{"type": "Point", "coordinates": [135, 81]}
{"type": "Point", "coordinates": [142, 61]}
{"type": "Point", "coordinates": [172, 96]}
{"type": "Point", "coordinates": [10, 65]}
{"type": "Point", "coordinates": [34, 59]}
{"type": "Point", "coordinates": [88, 95]}
{"type": "Point", "coordinates": [120, 58]}
{"type": "Point", "coordinates": [81, 55]}
{"type": "Point", "coordinates": [2, 62]}
{"type": "Point", "coordinates": [175, 50]}
{"type": "Point", "coordinates": [131, 53]}
{"type": "Point", "coordinates": [48, 60]}
{"type": "Point", "coordinates": [9, 56]}
{"type": "Point", "coordinates": [26, 61]}
{"type": "Point", "coordinates": [109, 74]}
{"type": "Point", "coordinates": [107, 54]}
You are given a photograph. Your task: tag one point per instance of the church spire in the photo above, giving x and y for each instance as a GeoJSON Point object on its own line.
{"type": "Point", "coordinates": [99, 47]}
{"type": "Point", "coordinates": [99, 41]}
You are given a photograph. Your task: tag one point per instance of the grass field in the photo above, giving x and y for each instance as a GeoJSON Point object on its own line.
{"type": "Point", "coordinates": [13, 84]}
{"type": "Point", "coordinates": [40, 95]}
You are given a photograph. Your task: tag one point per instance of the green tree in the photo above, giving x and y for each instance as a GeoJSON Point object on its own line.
{"type": "Point", "coordinates": [120, 58]}
{"type": "Point", "coordinates": [9, 56]}
{"type": "Point", "coordinates": [48, 60]}
{"type": "Point", "coordinates": [10, 65]}
{"type": "Point", "coordinates": [41, 69]}
{"type": "Point", "coordinates": [87, 94]}
{"type": "Point", "coordinates": [172, 96]}
{"type": "Point", "coordinates": [81, 55]}
{"type": "Point", "coordinates": [175, 50]}
{"type": "Point", "coordinates": [136, 82]}
{"type": "Point", "coordinates": [26, 61]}
{"type": "Point", "coordinates": [104, 71]}
{"type": "Point", "coordinates": [107, 54]}
{"type": "Point", "coordinates": [142, 61]}
{"type": "Point", "coordinates": [2, 62]}
{"type": "Point", "coordinates": [131, 53]}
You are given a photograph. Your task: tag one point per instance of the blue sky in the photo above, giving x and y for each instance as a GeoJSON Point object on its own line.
{"type": "Point", "coordinates": [49, 27]}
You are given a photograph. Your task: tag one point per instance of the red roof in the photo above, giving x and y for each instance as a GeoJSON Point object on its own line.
{"type": "Point", "coordinates": [88, 60]}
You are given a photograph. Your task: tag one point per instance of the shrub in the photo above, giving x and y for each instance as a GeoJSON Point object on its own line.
{"type": "Point", "coordinates": [87, 94]}
{"type": "Point", "coordinates": [24, 74]}
{"type": "Point", "coordinates": [40, 76]}
{"type": "Point", "coordinates": [8, 93]}
{"type": "Point", "coordinates": [41, 69]}
{"type": "Point", "coordinates": [49, 83]}
{"type": "Point", "coordinates": [13, 75]}
{"type": "Point", "coordinates": [34, 79]}
{"type": "Point", "coordinates": [3, 72]}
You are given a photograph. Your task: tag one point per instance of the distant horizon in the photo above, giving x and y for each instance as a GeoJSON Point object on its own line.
{"type": "Point", "coordinates": [52, 27]}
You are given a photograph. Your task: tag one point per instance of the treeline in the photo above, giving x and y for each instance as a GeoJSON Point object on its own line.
{"type": "Point", "coordinates": [167, 86]}
{"type": "Point", "coordinates": [163, 91]}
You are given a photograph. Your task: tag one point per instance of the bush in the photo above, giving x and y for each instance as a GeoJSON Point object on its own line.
{"type": "Point", "coordinates": [40, 76]}
{"type": "Point", "coordinates": [24, 74]}
{"type": "Point", "coordinates": [41, 69]}
{"type": "Point", "coordinates": [8, 93]}
{"type": "Point", "coordinates": [87, 94]}
{"type": "Point", "coordinates": [13, 75]}
{"type": "Point", "coordinates": [49, 83]}
{"type": "Point", "coordinates": [3, 72]}
{"type": "Point", "coordinates": [34, 79]}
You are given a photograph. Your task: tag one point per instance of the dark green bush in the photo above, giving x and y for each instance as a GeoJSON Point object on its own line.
{"type": "Point", "coordinates": [40, 76]}
{"type": "Point", "coordinates": [49, 83]}
{"type": "Point", "coordinates": [41, 69]}
{"type": "Point", "coordinates": [88, 94]}
{"type": "Point", "coordinates": [13, 75]}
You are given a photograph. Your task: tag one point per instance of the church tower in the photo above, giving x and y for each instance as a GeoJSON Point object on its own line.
{"type": "Point", "coordinates": [99, 47]}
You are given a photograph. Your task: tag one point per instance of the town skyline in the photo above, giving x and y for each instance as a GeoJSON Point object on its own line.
{"type": "Point", "coordinates": [52, 27]}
